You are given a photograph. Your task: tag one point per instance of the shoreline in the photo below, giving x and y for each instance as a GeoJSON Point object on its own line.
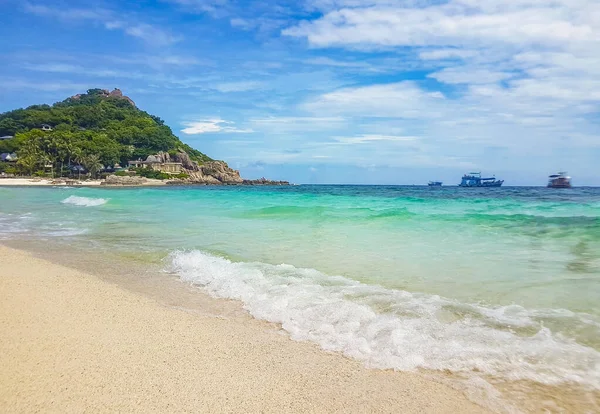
{"type": "Point", "coordinates": [33, 182]}
{"type": "Point", "coordinates": [75, 342]}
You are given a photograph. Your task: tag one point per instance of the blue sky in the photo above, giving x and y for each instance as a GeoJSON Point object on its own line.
{"type": "Point", "coordinates": [333, 91]}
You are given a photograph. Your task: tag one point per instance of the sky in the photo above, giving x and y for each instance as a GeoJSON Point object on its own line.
{"type": "Point", "coordinates": [333, 91]}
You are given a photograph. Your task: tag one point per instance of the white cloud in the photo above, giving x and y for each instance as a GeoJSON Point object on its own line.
{"type": "Point", "coordinates": [328, 5]}
{"type": "Point", "coordinates": [469, 75]}
{"type": "Point", "coordinates": [453, 23]}
{"type": "Point", "coordinates": [325, 61]}
{"type": "Point", "coordinates": [243, 24]}
{"type": "Point", "coordinates": [242, 86]}
{"type": "Point", "coordinates": [216, 8]}
{"type": "Point", "coordinates": [440, 54]}
{"type": "Point", "coordinates": [515, 74]}
{"type": "Point", "coordinates": [55, 86]}
{"type": "Point", "coordinates": [76, 69]}
{"type": "Point", "coordinates": [297, 124]}
{"type": "Point", "coordinates": [399, 100]}
{"type": "Point", "coordinates": [173, 60]}
{"type": "Point", "coordinates": [519, 119]}
{"type": "Point", "coordinates": [215, 125]}
{"type": "Point", "coordinates": [66, 13]}
{"type": "Point", "coordinates": [107, 19]}
{"type": "Point", "coordinates": [373, 138]}
{"type": "Point", "coordinates": [150, 34]}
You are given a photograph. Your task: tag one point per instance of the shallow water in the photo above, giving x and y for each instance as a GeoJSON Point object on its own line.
{"type": "Point", "coordinates": [485, 283]}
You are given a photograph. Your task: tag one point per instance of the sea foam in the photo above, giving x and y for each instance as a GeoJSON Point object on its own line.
{"type": "Point", "coordinates": [392, 328]}
{"type": "Point", "coordinates": [84, 201]}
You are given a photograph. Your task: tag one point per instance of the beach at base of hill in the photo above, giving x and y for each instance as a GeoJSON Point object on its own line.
{"type": "Point", "coordinates": [32, 182]}
{"type": "Point", "coordinates": [43, 182]}
{"type": "Point", "coordinates": [72, 342]}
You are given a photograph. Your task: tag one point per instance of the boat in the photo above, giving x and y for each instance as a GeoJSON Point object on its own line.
{"type": "Point", "coordinates": [434, 184]}
{"type": "Point", "coordinates": [560, 180]}
{"type": "Point", "coordinates": [476, 180]}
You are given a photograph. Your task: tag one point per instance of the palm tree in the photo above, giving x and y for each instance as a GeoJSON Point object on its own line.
{"type": "Point", "coordinates": [92, 164]}
{"type": "Point", "coordinates": [28, 162]}
{"type": "Point", "coordinates": [46, 160]}
{"type": "Point", "coordinates": [29, 156]}
{"type": "Point", "coordinates": [79, 157]}
{"type": "Point", "coordinates": [62, 148]}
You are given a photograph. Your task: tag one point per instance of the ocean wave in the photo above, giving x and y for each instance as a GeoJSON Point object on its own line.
{"type": "Point", "coordinates": [317, 212]}
{"type": "Point", "coordinates": [397, 329]}
{"type": "Point", "coordinates": [65, 232]}
{"type": "Point", "coordinates": [84, 201]}
{"type": "Point", "coordinates": [285, 212]}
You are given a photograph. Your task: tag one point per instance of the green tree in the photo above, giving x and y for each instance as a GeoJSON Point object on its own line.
{"type": "Point", "coordinates": [78, 157]}
{"type": "Point", "coordinates": [90, 124]}
{"type": "Point", "coordinates": [92, 164]}
{"type": "Point", "coordinates": [29, 157]}
{"type": "Point", "coordinates": [8, 126]}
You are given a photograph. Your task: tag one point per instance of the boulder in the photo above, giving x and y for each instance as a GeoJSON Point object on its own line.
{"type": "Point", "coordinates": [264, 181]}
{"type": "Point", "coordinates": [128, 180]}
{"type": "Point", "coordinates": [117, 93]}
{"type": "Point", "coordinates": [186, 161]}
{"type": "Point", "coordinates": [221, 171]}
{"type": "Point", "coordinates": [209, 173]}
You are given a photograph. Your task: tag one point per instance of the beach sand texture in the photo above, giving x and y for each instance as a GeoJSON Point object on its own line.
{"type": "Point", "coordinates": [30, 182]}
{"type": "Point", "coordinates": [73, 343]}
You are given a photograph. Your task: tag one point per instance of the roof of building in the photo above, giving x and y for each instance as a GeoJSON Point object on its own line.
{"type": "Point", "coordinates": [6, 156]}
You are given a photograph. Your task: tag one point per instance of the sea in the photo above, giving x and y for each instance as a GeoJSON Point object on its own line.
{"type": "Point", "coordinates": [496, 290]}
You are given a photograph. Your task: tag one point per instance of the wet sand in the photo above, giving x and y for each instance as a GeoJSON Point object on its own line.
{"type": "Point", "coordinates": [72, 342]}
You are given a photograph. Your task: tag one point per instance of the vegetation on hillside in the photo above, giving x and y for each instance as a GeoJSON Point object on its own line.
{"type": "Point", "coordinates": [92, 130]}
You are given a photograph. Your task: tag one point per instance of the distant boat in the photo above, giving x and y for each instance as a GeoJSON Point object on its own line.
{"type": "Point", "coordinates": [476, 180]}
{"type": "Point", "coordinates": [560, 180]}
{"type": "Point", "coordinates": [434, 184]}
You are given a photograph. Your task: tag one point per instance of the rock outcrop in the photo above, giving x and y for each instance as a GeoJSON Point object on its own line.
{"type": "Point", "coordinates": [104, 93]}
{"type": "Point", "coordinates": [208, 173]}
{"type": "Point", "coordinates": [186, 161]}
{"type": "Point", "coordinates": [211, 172]}
{"type": "Point", "coordinates": [264, 181]}
{"type": "Point", "coordinates": [127, 180]}
{"type": "Point", "coordinates": [221, 171]}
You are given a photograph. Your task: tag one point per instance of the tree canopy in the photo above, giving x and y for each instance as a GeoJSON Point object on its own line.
{"type": "Point", "coordinates": [91, 126]}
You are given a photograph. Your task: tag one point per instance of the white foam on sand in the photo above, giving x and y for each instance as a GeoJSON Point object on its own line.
{"type": "Point", "coordinates": [396, 329]}
{"type": "Point", "coordinates": [84, 201]}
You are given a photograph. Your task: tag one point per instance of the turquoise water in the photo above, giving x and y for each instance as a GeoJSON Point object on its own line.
{"type": "Point", "coordinates": [500, 282]}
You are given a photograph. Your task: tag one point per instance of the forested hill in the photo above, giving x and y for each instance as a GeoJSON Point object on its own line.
{"type": "Point", "coordinates": [101, 124]}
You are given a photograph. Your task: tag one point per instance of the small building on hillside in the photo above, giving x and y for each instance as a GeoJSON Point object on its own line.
{"type": "Point", "coordinates": [46, 127]}
{"type": "Point", "coordinates": [157, 165]}
{"type": "Point", "coordinates": [6, 137]}
{"type": "Point", "coordinates": [8, 157]}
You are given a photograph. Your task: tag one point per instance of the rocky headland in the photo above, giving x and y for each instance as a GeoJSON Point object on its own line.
{"type": "Point", "coordinates": [206, 173]}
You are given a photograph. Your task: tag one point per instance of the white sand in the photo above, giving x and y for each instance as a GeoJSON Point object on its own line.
{"type": "Point", "coordinates": [31, 182]}
{"type": "Point", "coordinates": [41, 182]}
{"type": "Point", "coordinates": [71, 342]}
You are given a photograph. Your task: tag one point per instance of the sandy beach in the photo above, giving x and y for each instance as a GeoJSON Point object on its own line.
{"type": "Point", "coordinates": [31, 182]}
{"type": "Point", "coordinates": [72, 343]}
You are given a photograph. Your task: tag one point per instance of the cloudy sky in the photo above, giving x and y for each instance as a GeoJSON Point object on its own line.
{"type": "Point", "coordinates": [333, 91]}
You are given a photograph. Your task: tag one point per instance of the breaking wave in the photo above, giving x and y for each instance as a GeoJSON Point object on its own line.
{"type": "Point", "coordinates": [397, 329]}
{"type": "Point", "coordinates": [84, 201]}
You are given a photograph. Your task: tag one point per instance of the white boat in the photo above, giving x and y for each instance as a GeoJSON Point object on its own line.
{"type": "Point", "coordinates": [560, 180]}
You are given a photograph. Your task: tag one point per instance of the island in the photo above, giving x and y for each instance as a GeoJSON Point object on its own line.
{"type": "Point", "coordinates": [102, 136]}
